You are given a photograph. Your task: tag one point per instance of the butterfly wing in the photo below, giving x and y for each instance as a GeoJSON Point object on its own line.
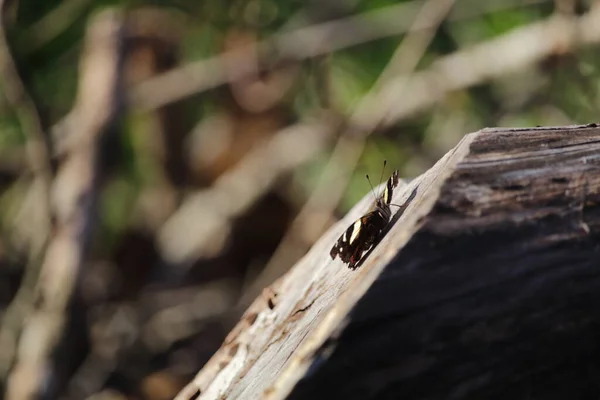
{"type": "Point", "coordinates": [391, 184]}
{"type": "Point", "coordinates": [358, 239]}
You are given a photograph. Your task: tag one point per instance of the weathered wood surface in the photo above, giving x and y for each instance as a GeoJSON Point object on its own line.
{"type": "Point", "coordinates": [488, 286]}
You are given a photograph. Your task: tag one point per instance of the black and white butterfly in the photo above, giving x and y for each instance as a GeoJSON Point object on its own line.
{"type": "Point", "coordinates": [366, 231]}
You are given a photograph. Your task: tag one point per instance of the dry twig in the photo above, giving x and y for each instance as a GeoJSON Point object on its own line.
{"type": "Point", "coordinates": [518, 49]}
{"type": "Point", "coordinates": [54, 23]}
{"type": "Point", "coordinates": [182, 239]}
{"type": "Point", "coordinates": [299, 44]}
{"type": "Point", "coordinates": [39, 146]}
{"type": "Point", "coordinates": [35, 209]}
{"type": "Point", "coordinates": [74, 192]}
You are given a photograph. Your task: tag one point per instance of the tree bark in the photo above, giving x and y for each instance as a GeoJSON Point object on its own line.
{"type": "Point", "coordinates": [487, 286]}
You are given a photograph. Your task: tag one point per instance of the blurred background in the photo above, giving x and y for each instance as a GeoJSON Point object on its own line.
{"type": "Point", "coordinates": [161, 162]}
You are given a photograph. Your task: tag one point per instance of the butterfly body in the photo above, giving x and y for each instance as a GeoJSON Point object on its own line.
{"type": "Point", "coordinates": [366, 231]}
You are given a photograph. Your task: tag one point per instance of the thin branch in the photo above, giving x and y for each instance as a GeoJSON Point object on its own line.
{"type": "Point", "coordinates": [54, 23]}
{"type": "Point", "coordinates": [300, 44]}
{"type": "Point", "coordinates": [514, 51]}
{"type": "Point", "coordinates": [472, 9]}
{"type": "Point", "coordinates": [36, 210]}
{"type": "Point", "coordinates": [39, 143]}
{"type": "Point", "coordinates": [37, 373]}
{"type": "Point", "coordinates": [151, 324]}
{"type": "Point", "coordinates": [182, 239]}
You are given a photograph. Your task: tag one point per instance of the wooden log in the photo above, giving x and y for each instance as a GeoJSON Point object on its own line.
{"type": "Point", "coordinates": [488, 286]}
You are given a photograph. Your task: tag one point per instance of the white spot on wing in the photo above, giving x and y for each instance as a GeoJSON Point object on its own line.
{"type": "Point", "coordinates": [355, 231]}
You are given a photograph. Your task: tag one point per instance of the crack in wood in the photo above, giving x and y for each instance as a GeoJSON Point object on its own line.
{"type": "Point", "coordinates": [302, 310]}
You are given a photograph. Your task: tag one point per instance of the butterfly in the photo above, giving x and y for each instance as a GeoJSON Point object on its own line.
{"type": "Point", "coordinates": [366, 231]}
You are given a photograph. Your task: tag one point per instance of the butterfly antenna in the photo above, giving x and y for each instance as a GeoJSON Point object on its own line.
{"type": "Point", "coordinates": [370, 184]}
{"type": "Point", "coordinates": [382, 170]}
